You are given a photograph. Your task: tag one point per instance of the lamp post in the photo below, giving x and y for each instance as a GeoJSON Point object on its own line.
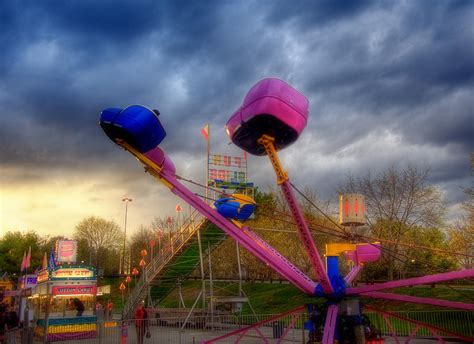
{"type": "Point", "coordinates": [142, 265]}
{"type": "Point", "coordinates": [135, 272]}
{"type": "Point", "coordinates": [126, 200]}
{"type": "Point", "coordinates": [122, 289]}
{"type": "Point", "coordinates": [159, 234]}
{"type": "Point", "coordinates": [178, 210]}
{"type": "Point", "coordinates": [152, 245]}
{"type": "Point", "coordinates": [128, 279]}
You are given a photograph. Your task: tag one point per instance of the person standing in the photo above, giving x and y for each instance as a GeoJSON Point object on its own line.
{"type": "Point", "coordinates": [79, 307]}
{"type": "Point", "coordinates": [141, 322]}
{"type": "Point", "coordinates": [11, 323]}
{"type": "Point", "coordinates": [110, 307]}
{"type": "Point", "coordinates": [99, 311]}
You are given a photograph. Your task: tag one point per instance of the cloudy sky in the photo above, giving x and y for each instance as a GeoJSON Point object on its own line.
{"type": "Point", "coordinates": [389, 83]}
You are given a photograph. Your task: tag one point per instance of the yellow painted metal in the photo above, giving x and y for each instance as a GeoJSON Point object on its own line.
{"type": "Point", "coordinates": [237, 223]}
{"type": "Point", "coordinates": [151, 167]}
{"type": "Point", "coordinates": [335, 249]}
{"type": "Point", "coordinates": [268, 143]}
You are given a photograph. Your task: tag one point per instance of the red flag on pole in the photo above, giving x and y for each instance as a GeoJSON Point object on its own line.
{"type": "Point", "coordinates": [23, 262]}
{"type": "Point", "coordinates": [205, 132]}
{"type": "Point", "coordinates": [45, 262]}
{"type": "Point", "coordinates": [28, 259]}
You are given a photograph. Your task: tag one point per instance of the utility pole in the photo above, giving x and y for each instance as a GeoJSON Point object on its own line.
{"type": "Point", "coordinates": [126, 200]}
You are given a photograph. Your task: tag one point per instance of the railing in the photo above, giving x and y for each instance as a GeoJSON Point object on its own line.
{"type": "Point", "coordinates": [459, 322]}
{"type": "Point", "coordinates": [177, 240]}
{"type": "Point", "coordinates": [270, 328]}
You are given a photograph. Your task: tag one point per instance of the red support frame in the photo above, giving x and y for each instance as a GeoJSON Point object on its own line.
{"type": "Point", "coordinates": [433, 329]}
{"type": "Point", "coordinates": [245, 330]}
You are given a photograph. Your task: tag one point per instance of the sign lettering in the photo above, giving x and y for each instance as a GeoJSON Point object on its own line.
{"type": "Point", "coordinates": [74, 289]}
{"type": "Point", "coordinates": [72, 273]}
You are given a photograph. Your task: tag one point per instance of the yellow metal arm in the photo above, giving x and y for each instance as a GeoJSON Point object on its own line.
{"type": "Point", "coordinates": [267, 142]}
{"type": "Point", "coordinates": [150, 166]}
{"type": "Point", "coordinates": [336, 249]}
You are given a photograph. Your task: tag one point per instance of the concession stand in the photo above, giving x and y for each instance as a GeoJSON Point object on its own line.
{"type": "Point", "coordinates": [55, 299]}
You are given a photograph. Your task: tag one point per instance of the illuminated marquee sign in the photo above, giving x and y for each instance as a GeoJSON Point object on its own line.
{"type": "Point", "coordinates": [72, 273]}
{"type": "Point", "coordinates": [42, 276]}
{"type": "Point", "coordinates": [74, 289]}
{"type": "Point", "coordinates": [66, 251]}
{"type": "Point", "coordinates": [227, 168]}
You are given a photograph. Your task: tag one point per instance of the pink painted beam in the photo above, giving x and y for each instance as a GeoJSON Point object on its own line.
{"type": "Point", "coordinates": [306, 237]}
{"type": "Point", "coordinates": [413, 334]}
{"type": "Point", "coordinates": [420, 300]}
{"type": "Point", "coordinates": [352, 275]}
{"type": "Point", "coordinates": [330, 325]}
{"type": "Point", "coordinates": [446, 276]}
{"type": "Point", "coordinates": [392, 329]}
{"type": "Point", "coordinates": [161, 166]}
{"type": "Point", "coordinates": [268, 248]}
{"type": "Point", "coordinates": [292, 323]}
{"type": "Point", "coordinates": [260, 323]}
{"type": "Point", "coordinates": [281, 266]}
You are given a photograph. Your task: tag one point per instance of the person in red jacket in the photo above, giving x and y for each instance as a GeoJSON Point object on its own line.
{"type": "Point", "coordinates": [141, 322]}
{"type": "Point", "coordinates": [110, 306]}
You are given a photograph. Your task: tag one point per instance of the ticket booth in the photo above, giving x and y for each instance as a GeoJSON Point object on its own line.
{"type": "Point", "coordinates": [63, 303]}
{"type": "Point", "coordinates": [64, 297]}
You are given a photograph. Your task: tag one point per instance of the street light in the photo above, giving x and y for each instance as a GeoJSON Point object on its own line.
{"type": "Point", "coordinates": [135, 272]}
{"type": "Point", "coordinates": [122, 289]}
{"type": "Point", "coordinates": [126, 200]}
{"type": "Point", "coordinates": [128, 279]}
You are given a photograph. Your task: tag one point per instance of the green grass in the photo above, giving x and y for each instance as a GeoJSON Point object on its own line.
{"type": "Point", "coordinates": [277, 298]}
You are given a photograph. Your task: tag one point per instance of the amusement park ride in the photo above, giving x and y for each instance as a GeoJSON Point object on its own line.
{"type": "Point", "coordinates": [272, 117]}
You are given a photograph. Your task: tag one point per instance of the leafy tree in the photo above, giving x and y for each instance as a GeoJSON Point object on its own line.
{"type": "Point", "coordinates": [140, 240]}
{"type": "Point", "coordinates": [398, 201]}
{"type": "Point", "coordinates": [12, 247]}
{"type": "Point", "coordinates": [461, 235]}
{"type": "Point", "coordinates": [103, 238]}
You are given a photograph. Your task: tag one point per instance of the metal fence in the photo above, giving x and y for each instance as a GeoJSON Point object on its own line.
{"type": "Point", "coordinates": [196, 329]}
{"type": "Point", "coordinates": [461, 322]}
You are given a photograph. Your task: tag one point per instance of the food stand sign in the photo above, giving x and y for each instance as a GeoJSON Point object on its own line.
{"type": "Point", "coordinates": [42, 276]}
{"type": "Point", "coordinates": [77, 273]}
{"type": "Point", "coordinates": [74, 290]}
{"type": "Point", "coordinates": [66, 251]}
{"type": "Point", "coordinates": [27, 281]}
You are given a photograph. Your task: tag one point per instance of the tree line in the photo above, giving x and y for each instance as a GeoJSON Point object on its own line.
{"type": "Point", "coordinates": [404, 211]}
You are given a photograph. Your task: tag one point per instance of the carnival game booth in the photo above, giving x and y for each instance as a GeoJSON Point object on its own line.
{"type": "Point", "coordinates": [56, 301]}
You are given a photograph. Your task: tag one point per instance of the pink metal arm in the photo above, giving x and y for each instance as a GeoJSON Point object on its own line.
{"type": "Point", "coordinates": [330, 325]}
{"type": "Point", "coordinates": [303, 230]}
{"type": "Point", "coordinates": [421, 300]}
{"type": "Point", "coordinates": [307, 239]}
{"type": "Point", "coordinates": [352, 275]}
{"type": "Point", "coordinates": [251, 243]}
{"type": "Point", "coordinates": [447, 276]}
{"type": "Point", "coordinates": [260, 323]}
{"type": "Point", "coordinates": [159, 165]}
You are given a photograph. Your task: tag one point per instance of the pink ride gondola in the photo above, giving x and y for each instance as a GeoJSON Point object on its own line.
{"type": "Point", "coordinates": [271, 107]}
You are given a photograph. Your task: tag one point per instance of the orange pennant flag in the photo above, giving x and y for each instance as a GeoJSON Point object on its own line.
{"type": "Point", "coordinates": [205, 132]}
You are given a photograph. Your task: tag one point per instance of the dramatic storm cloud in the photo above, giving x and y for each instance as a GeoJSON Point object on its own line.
{"type": "Point", "coordinates": [389, 84]}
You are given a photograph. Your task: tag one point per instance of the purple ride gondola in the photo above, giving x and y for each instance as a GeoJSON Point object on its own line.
{"type": "Point", "coordinates": [271, 107]}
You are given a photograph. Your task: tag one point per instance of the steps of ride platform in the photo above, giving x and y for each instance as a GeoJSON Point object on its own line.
{"type": "Point", "coordinates": [185, 261]}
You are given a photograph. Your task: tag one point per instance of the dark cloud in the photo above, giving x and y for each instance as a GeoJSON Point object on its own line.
{"type": "Point", "coordinates": [397, 76]}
